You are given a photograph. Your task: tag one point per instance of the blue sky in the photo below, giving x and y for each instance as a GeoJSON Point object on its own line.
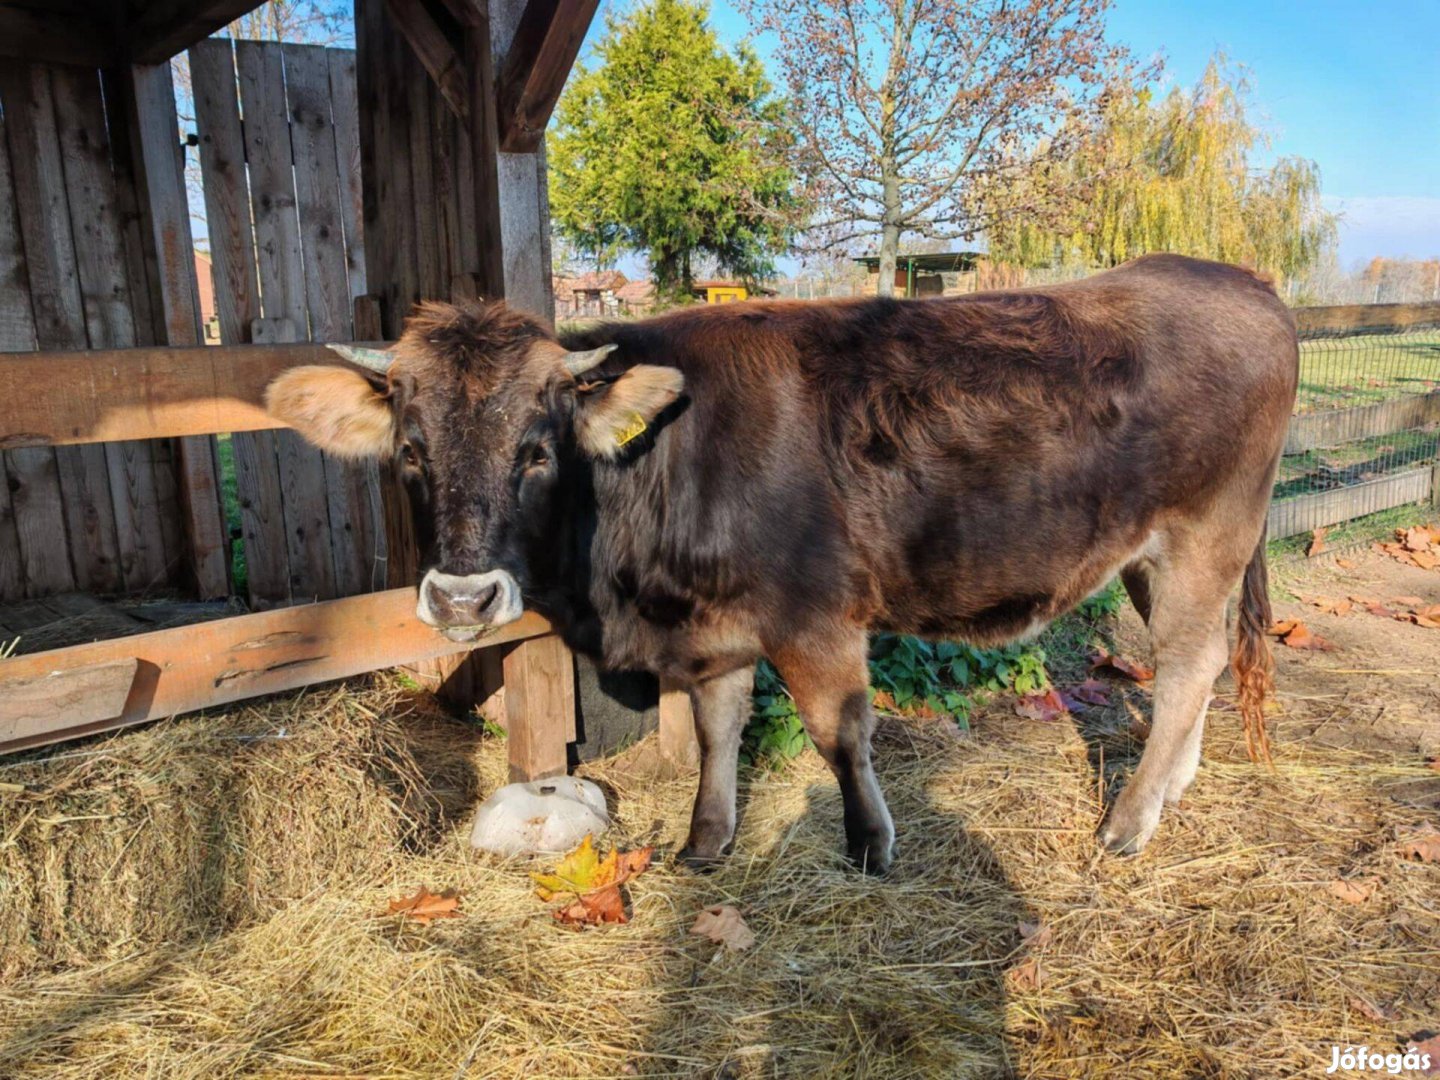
{"type": "Point", "coordinates": [1354, 86]}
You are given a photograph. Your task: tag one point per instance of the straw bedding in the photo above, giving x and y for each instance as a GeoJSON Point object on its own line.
{"type": "Point", "coordinates": [200, 898]}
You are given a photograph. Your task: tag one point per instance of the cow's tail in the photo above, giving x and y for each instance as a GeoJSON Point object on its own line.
{"type": "Point", "coordinates": [1252, 664]}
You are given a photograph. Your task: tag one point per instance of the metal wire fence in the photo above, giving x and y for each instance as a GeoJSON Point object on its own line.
{"type": "Point", "coordinates": [1366, 430]}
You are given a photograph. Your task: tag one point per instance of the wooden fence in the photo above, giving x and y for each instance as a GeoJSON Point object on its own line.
{"type": "Point", "coordinates": [74, 275]}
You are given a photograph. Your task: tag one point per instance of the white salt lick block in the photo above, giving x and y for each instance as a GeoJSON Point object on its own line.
{"type": "Point", "coordinates": [539, 817]}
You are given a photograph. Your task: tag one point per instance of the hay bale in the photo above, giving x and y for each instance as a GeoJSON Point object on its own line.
{"type": "Point", "coordinates": [193, 827]}
{"type": "Point", "coordinates": [1220, 952]}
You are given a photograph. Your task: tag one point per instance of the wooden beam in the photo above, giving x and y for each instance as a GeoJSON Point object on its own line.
{"type": "Point", "coordinates": [208, 664]}
{"type": "Point", "coordinates": [1308, 512]}
{"type": "Point", "coordinates": [1336, 427]}
{"type": "Point", "coordinates": [82, 695]}
{"type": "Point", "coordinates": [541, 54]}
{"type": "Point", "coordinates": [485, 152]}
{"type": "Point", "coordinates": [167, 27]}
{"type": "Point", "coordinates": [44, 35]}
{"type": "Point", "coordinates": [1353, 319]}
{"type": "Point", "coordinates": [435, 51]}
{"type": "Point", "coordinates": [109, 395]}
{"type": "Point", "coordinates": [539, 707]}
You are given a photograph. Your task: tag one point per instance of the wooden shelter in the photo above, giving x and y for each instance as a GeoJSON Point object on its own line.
{"type": "Point", "coordinates": [339, 188]}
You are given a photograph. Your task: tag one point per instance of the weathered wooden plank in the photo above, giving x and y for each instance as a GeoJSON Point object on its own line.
{"type": "Point", "coordinates": [109, 316]}
{"type": "Point", "coordinates": [82, 695]}
{"type": "Point", "coordinates": [525, 235]}
{"type": "Point", "coordinates": [484, 140]}
{"type": "Point", "coordinates": [426, 235]}
{"type": "Point", "coordinates": [104, 395]}
{"type": "Point", "coordinates": [78, 517]}
{"type": "Point", "coordinates": [144, 301]}
{"type": "Point", "coordinates": [237, 296]}
{"type": "Point", "coordinates": [17, 331]}
{"type": "Point", "coordinates": [678, 744]}
{"type": "Point", "coordinates": [433, 49]}
{"type": "Point", "coordinates": [159, 166]}
{"type": "Point", "coordinates": [539, 707]}
{"type": "Point", "coordinates": [43, 36]}
{"type": "Point", "coordinates": [536, 64]}
{"type": "Point", "coordinates": [1358, 318]}
{"type": "Point", "coordinates": [167, 27]}
{"type": "Point", "coordinates": [1308, 512]}
{"type": "Point", "coordinates": [344, 104]}
{"type": "Point", "coordinates": [213, 663]}
{"type": "Point", "coordinates": [351, 490]}
{"type": "Point", "coordinates": [304, 500]}
{"type": "Point", "coordinates": [1336, 427]}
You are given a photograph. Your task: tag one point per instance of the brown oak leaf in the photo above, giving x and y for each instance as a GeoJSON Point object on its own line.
{"type": "Point", "coordinates": [1354, 890]}
{"type": "Point", "coordinates": [425, 906]}
{"type": "Point", "coordinates": [724, 925]}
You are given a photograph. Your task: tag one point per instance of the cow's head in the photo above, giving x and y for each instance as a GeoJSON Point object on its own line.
{"type": "Point", "coordinates": [483, 411]}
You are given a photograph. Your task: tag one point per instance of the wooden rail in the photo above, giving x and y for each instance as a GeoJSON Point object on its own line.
{"type": "Point", "coordinates": [1360, 318]}
{"type": "Point", "coordinates": [208, 664]}
{"type": "Point", "coordinates": [110, 395]}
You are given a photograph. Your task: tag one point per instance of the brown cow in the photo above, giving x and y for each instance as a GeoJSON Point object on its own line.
{"type": "Point", "coordinates": [691, 492]}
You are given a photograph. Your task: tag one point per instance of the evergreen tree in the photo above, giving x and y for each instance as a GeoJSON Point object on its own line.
{"type": "Point", "coordinates": [674, 148]}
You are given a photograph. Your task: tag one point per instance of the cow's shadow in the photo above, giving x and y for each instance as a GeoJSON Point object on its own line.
{"type": "Point", "coordinates": [852, 975]}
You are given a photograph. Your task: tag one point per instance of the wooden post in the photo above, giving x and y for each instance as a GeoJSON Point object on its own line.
{"type": "Point", "coordinates": [539, 707]}
{"type": "Point", "coordinates": [160, 182]}
{"type": "Point", "coordinates": [678, 745]}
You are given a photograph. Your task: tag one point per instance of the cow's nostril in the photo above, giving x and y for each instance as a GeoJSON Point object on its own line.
{"type": "Point", "coordinates": [484, 599]}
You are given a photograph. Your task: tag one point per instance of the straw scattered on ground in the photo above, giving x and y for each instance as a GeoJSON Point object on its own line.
{"type": "Point", "coordinates": [200, 899]}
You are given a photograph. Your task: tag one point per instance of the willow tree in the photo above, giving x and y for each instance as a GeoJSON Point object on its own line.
{"type": "Point", "coordinates": [1174, 174]}
{"type": "Point", "coordinates": [673, 148]}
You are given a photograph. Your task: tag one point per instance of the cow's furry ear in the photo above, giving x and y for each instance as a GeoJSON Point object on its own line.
{"type": "Point", "coordinates": [609, 419]}
{"type": "Point", "coordinates": [335, 408]}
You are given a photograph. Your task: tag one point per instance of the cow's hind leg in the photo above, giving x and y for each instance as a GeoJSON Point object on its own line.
{"type": "Point", "coordinates": [830, 682]}
{"type": "Point", "coordinates": [1187, 594]}
{"type": "Point", "coordinates": [721, 706]}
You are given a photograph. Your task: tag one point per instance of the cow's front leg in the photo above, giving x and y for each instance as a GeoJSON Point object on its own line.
{"type": "Point", "coordinates": [830, 682]}
{"type": "Point", "coordinates": [721, 705]}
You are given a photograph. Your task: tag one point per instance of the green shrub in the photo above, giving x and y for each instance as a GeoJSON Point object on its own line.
{"type": "Point", "coordinates": [916, 677]}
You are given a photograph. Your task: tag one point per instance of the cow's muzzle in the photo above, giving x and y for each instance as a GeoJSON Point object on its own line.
{"type": "Point", "coordinates": [464, 606]}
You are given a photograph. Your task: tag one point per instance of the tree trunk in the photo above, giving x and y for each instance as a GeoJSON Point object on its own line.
{"type": "Point", "coordinates": [889, 249]}
{"type": "Point", "coordinates": [889, 229]}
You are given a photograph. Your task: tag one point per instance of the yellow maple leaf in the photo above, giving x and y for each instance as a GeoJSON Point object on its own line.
{"type": "Point", "coordinates": [578, 872]}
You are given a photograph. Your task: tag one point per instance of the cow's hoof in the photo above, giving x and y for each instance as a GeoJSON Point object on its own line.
{"type": "Point", "coordinates": [699, 861]}
{"type": "Point", "coordinates": [1126, 832]}
{"type": "Point", "coordinates": [875, 854]}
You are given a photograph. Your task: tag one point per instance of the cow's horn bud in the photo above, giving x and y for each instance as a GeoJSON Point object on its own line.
{"type": "Point", "coordinates": [577, 363]}
{"type": "Point", "coordinates": [374, 359]}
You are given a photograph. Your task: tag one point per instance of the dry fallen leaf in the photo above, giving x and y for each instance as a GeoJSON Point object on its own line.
{"type": "Point", "coordinates": [1129, 668]}
{"type": "Point", "coordinates": [591, 884]}
{"type": "Point", "coordinates": [1426, 560]}
{"type": "Point", "coordinates": [1090, 692]}
{"type": "Point", "coordinates": [1317, 542]}
{"type": "Point", "coordinates": [1374, 1012]}
{"type": "Point", "coordinates": [425, 906]}
{"type": "Point", "coordinates": [1036, 935]}
{"type": "Point", "coordinates": [1430, 1047]}
{"type": "Point", "coordinates": [723, 925]}
{"type": "Point", "coordinates": [603, 905]}
{"type": "Point", "coordinates": [1422, 846]}
{"type": "Point", "coordinates": [1296, 635]}
{"type": "Point", "coordinates": [1407, 601]}
{"type": "Point", "coordinates": [1331, 606]}
{"type": "Point", "coordinates": [1046, 706]}
{"type": "Point", "coordinates": [1345, 564]}
{"type": "Point", "coordinates": [1355, 890]}
{"type": "Point", "coordinates": [1027, 975]}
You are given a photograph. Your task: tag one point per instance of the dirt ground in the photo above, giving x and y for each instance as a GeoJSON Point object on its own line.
{"type": "Point", "coordinates": [199, 898]}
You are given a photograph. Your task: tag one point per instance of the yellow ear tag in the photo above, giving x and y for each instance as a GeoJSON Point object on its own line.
{"type": "Point", "coordinates": [631, 431]}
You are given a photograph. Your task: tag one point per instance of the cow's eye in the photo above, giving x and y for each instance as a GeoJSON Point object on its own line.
{"type": "Point", "coordinates": [539, 458]}
{"type": "Point", "coordinates": [410, 455]}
